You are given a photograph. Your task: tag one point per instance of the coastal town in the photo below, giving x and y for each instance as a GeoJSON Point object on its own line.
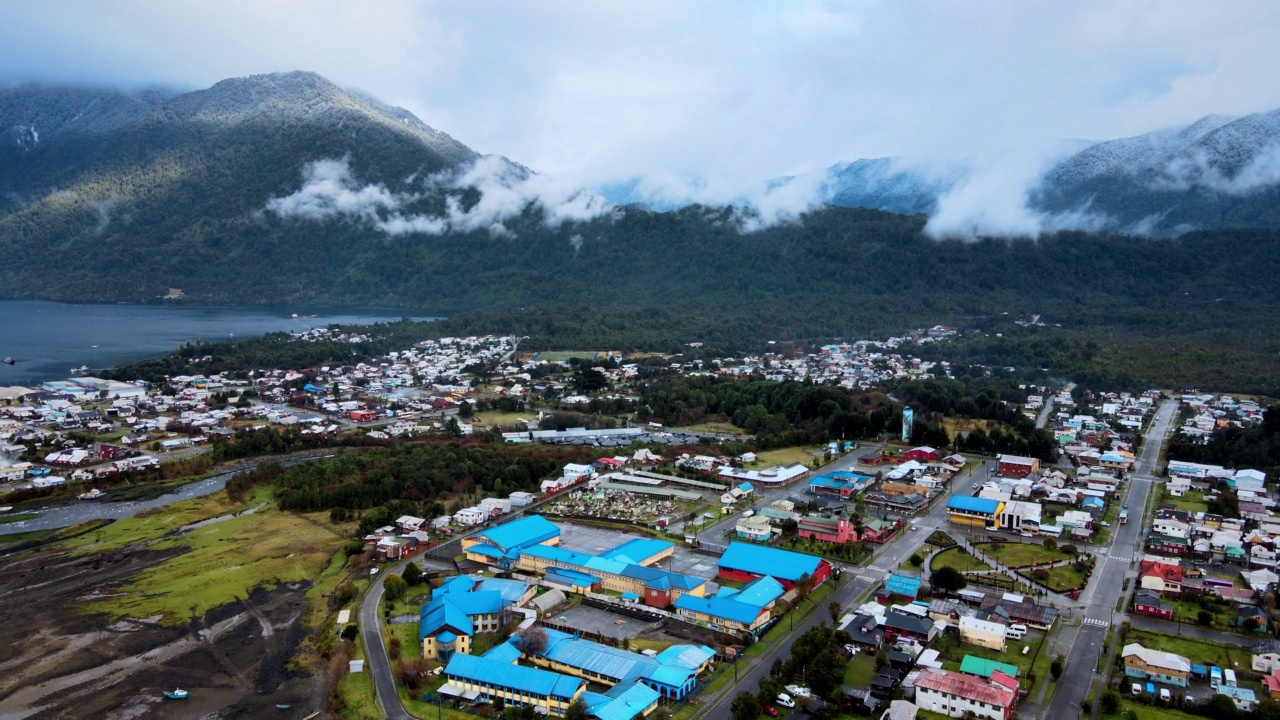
{"type": "Point", "coordinates": [674, 573]}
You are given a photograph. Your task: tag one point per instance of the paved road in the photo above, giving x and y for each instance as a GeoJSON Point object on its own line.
{"type": "Point", "coordinates": [1114, 562]}
{"type": "Point", "coordinates": [855, 582]}
{"type": "Point", "coordinates": [1202, 633]}
{"type": "Point", "coordinates": [1043, 418]}
{"type": "Point", "coordinates": [378, 665]}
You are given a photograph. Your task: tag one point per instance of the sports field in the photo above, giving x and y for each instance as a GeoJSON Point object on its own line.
{"type": "Point", "coordinates": [566, 355]}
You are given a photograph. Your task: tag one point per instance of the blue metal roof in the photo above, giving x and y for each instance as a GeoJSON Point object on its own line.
{"type": "Point", "coordinates": [728, 608]}
{"type": "Point", "coordinates": [621, 702]}
{"type": "Point", "coordinates": [903, 585]}
{"type": "Point", "coordinates": [572, 578]}
{"type": "Point", "coordinates": [656, 578]}
{"type": "Point", "coordinates": [637, 550]}
{"type": "Point", "coordinates": [760, 560]}
{"type": "Point", "coordinates": [503, 652]}
{"type": "Point", "coordinates": [686, 656]}
{"type": "Point", "coordinates": [973, 504]}
{"type": "Point", "coordinates": [760, 592]}
{"type": "Point", "coordinates": [611, 663]}
{"type": "Point", "coordinates": [515, 677]}
{"type": "Point", "coordinates": [438, 614]}
{"type": "Point", "coordinates": [529, 530]}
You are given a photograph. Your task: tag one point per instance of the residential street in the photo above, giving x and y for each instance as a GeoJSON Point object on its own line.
{"type": "Point", "coordinates": [1114, 562]}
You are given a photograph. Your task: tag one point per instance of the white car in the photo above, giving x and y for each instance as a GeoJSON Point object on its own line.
{"type": "Point", "coordinates": [798, 690]}
{"type": "Point", "coordinates": [373, 571]}
{"type": "Point", "coordinates": [785, 700]}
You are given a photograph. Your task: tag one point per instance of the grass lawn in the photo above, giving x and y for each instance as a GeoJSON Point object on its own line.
{"type": "Point", "coordinates": [714, 428]}
{"type": "Point", "coordinates": [1192, 501]}
{"type": "Point", "coordinates": [566, 355]}
{"type": "Point", "coordinates": [486, 419]}
{"type": "Point", "coordinates": [786, 456]}
{"type": "Point", "coordinates": [1019, 554]}
{"type": "Point", "coordinates": [217, 564]}
{"type": "Point", "coordinates": [1064, 578]}
{"type": "Point", "coordinates": [860, 670]}
{"type": "Point", "coordinates": [1148, 712]}
{"type": "Point", "coordinates": [1197, 651]}
{"type": "Point", "coordinates": [940, 539]}
{"type": "Point", "coordinates": [958, 559]}
{"type": "Point", "coordinates": [638, 644]}
{"type": "Point", "coordinates": [953, 651]}
{"type": "Point", "coordinates": [1188, 611]}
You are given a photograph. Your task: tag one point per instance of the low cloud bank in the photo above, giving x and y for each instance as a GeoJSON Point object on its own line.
{"type": "Point", "coordinates": [330, 190]}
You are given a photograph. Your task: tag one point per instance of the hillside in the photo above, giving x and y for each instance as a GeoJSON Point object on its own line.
{"type": "Point", "coordinates": [285, 189]}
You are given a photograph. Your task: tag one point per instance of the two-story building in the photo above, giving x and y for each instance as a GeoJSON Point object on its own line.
{"type": "Point", "coordinates": [1155, 665]}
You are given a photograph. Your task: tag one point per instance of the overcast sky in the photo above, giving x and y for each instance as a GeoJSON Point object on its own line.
{"type": "Point", "coordinates": [596, 91]}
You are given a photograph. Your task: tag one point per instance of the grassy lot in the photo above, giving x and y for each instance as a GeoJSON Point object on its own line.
{"type": "Point", "coordinates": [958, 559]}
{"type": "Point", "coordinates": [1148, 712]}
{"type": "Point", "coordinates": [1192, 501]}
{"type": "Point", "coordinates": [956, 425]}
{"type": "Point", "coordinates": [714, 428]}
{"type": "Point", "coordinates": [860, 670]}
{"type": "Point", "coordinates": [357, 693]}
{"type": "Point", "coordinates": [953, 651]}
{"type": "Point", "coordinates": [1187, 612]}
{"type": "Point", "coordinates": [787, 456]}
{"type": "Point", "coordinates": [1064, 578]}
{"type": "Point", "coordinates": [486, 419]}
{"type": "Point", "coordinates": [218, 563]}
{"type": "Point", "coordinates": [1019, 554]}
{"type": "Point", "coordinates": [638, 644]}
{"type": "Point", "coordinates": [1197, 651]}
{"type": "Point", "coordinates": [566, 355]}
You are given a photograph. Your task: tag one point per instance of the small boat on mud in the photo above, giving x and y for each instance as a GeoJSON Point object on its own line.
{"type": "Point", "coordinates": [94, 494]}
{"type": "Point", "coordinates": [176, 694]}
{"type": "Point", "coordinates": [283, 706]}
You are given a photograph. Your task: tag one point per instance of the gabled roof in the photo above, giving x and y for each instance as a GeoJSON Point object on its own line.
{"type": "Point", "coordinates": [761, 592]}
{"type": "Point", "coordinates": [637, 550]}
{"type": "Point", "coordinates": [721, 607]}
{"type": "Point", "coordinates": [776, 563]}
{"type": "Point", "coordinates": [966, 686]}
{"type": "Point", "coordinates": [686, 656]}
{"type": "Point", "coordinates": [908, 623]}
{"type": "Point", "coordinates": [528, 530]}
{"type": "Point", "coordinates": [528, 680]}
{"type": "Point", "coordinates": [903, 585]}
{"type": "Point", "coordinates": [1165, 571]}
{"type": "Point", "coordinates": [1157, 658]}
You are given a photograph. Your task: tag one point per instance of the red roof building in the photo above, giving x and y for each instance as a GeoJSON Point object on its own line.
{"type": "Point", "coordinates": [922, 454]}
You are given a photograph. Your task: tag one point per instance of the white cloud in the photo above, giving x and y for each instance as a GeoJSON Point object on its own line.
{"type": "Point", "coordinates": [330, 190]}
{"type": "Point", "coordinates": [729, 93]}
{"type": "Point", "coordinates": [1196, 170]}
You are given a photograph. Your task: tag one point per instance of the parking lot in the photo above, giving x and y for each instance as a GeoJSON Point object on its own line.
{"type": "Point", "coordinates": [595, 540]}
{"type": "Point", "coordinates": [603, 622]}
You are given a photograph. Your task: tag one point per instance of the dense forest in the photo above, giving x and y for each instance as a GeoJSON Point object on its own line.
{"type": "Point", "coordinates": [1257, 446]}
{"type": "Point", "coordinates": [421, 479]}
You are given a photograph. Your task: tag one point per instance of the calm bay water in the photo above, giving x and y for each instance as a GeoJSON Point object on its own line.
{"type": "Point", "coordinates": [48, 339]}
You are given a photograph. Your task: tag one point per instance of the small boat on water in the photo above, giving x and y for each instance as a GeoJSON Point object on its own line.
{"type": "Point", "coordinates": [81, 369]}
{"type": "Point", "coordinates": [283, 706]}
{"type": "Point", "coordinates": [94, 494]}
{"type": "Point", "coordinates": [176, 694]}
{"type": "Point", "coordinates": [8, 360]}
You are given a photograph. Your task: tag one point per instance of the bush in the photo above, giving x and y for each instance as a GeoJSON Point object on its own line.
{"type": "Point", "coordinates": [1205, 618]}
{"type": "Point", "coordinates": [345, 593]}
{"type": "Point", "coordinates": [350, 632]}
{"type": "Point", "coordinates": [1056, 667]}
{"type": "Point", "coordinates": [916, 560]}
{"type": "Point", "coordinates": [1110, 702]}
{"type": "Point", "coordinates": [1040, 575]}
{"type": "Point", "coordinates": [1050, 543]}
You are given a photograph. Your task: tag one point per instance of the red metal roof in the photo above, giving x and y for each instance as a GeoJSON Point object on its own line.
{"type": "Point", "coordinates": [968, 687]}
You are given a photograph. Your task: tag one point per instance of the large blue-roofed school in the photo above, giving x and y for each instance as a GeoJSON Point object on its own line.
{"type": "Point", "coordinates": [525, 576]}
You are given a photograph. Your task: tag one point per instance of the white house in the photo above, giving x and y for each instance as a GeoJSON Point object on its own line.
{"type": "Point", "coordinates": [955, 694]}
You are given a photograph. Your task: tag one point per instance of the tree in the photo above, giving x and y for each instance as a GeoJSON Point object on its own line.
{"type": "Point", "coordinates": [577, 710]}
{"type": "Point", "coordinates": [915, 560]}
{"type": "Point", "coordinates": [1221, 707]}
{"type": "Point", "coordinates": [412, 574]}
{"type": "Point", "coordinates": [395, 587]}
{"type": "Point", "coordinates": [746, 706]}
{"type": "Point", "coordinates": [1111, 701]}
{"type": "Point", "coordinates": [532, 641]}
{"type": "Point", "coordinates": [834, 609]}
{"type": "Point", "coordinates": [1050, 544]}
{"type": "Point", "coordinates": [1204, 617]}
{"type": "Point", "coordinates": [345, 593]}
{"type": "Point", "coordinates": [1056, 667]}
{"type": "Point", "coordinates": [1251, 624]}
{"type": "Point", "coordinates": [948, 579]}
{"type": "Point", "coordinates": [804, 585]}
